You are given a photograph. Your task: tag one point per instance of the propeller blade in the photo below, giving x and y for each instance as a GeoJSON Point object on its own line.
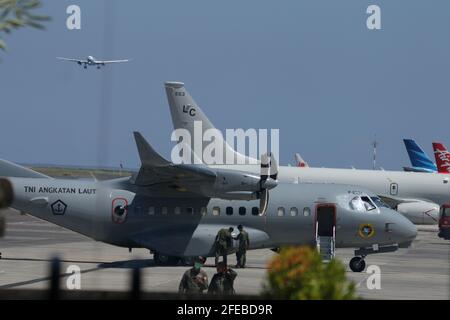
{"type": "Point", "coordinates": [265, 166]}
{"type": "Point", "coordinates": [263, 202]}
{"type": "Point", "coordinates": [273, 167]}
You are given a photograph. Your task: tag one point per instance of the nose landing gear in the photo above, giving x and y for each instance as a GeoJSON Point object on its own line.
{"type": "Point", "coordinates": [357, 264]}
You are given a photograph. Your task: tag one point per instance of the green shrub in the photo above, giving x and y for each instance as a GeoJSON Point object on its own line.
{"type": "Point", "coordinates": [298, 273]}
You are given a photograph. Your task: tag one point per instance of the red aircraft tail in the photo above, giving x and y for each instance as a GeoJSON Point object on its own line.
{"type": "Point", "coordinates": [442, 157]}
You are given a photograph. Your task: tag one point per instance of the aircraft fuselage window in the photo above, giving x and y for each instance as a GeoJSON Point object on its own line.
{"type": "Point", "coordinates": [177, 210]}
{"type": "Point", "coordinates": [255, 211]}
{"type": "Point", "coordinates": [190, 210]}
{"type": "Point", "coordinates": [151, 211]}
{"type": "Point", "coordinates": [216, 211]}
{"type": "Point", "coordinates": [242, 211]}
{"type": "Point", "coordinates": [294, 211]}
{"type": "Point", "coordinates": [280, 211]}
{"type": "Point", "coordinates": [229, 211]}
{"type": "Point", "coordinates": [203, 211]}
{"type": "Point", "coordinates": [164, 210]}
{"type": "Point", "coordinates": [306, 211]}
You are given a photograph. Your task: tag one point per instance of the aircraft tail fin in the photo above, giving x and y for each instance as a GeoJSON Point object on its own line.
{"type": "Point", "coordinates": [9, 169]}
{"type": "Point", "coordinates": [419, 159]}
{"type": "Point", "coordinates": [187, 114]}
{"type": "Point", "coordinates": [442, 157]}
{"type": "Point", "coordinates": [300, 162]}
{"type": "Point", "coordinates": [147, 154]}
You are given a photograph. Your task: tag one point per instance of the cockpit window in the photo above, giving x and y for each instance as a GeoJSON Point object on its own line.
{"type": "Point", "coordinates": [378, 202]}
{"type": "Point", "coordinates": [362, 204]}
{"type": "Point", "coordinates": [357, 204]}
{"type": "Point", "coordinates": [368, 204]}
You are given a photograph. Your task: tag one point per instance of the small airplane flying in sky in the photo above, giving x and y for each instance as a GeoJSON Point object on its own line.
{"type": "Point", "coordinates": [91, 61]}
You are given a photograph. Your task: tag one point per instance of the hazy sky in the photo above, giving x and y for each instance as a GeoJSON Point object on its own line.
{"type": "Point", "coordinates": [310, 68]}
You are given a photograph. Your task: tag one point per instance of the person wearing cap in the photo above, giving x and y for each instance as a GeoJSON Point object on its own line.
{"type": "Point", "coordinates": [194, 280]}
{"type": "Point", "coordinates": [222, 282]}
{"type": "Point", "coordinates": [224, 241]}
{"type": "Point", "coordinates": [244, 243]}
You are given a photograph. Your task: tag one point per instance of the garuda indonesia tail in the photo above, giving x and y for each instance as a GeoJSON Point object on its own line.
{"type": "Point", "coordinates": [419, 159]}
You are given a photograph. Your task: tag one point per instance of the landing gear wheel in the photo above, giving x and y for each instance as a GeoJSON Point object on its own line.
{"type": "Point", "coordinates": [173, 261]}
{"type": "Point", "coordinates": [161, 259]}
{"type": "Point", "coordinates": [357, 264]}
{"type": "Point", "coordinates": [165, 260]}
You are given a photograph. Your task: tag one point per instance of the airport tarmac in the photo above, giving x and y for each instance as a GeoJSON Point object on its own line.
{"type": "Point", "coordinates": [419, 272]}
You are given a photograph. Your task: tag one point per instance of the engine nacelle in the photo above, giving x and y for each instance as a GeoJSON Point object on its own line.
{"type": "Point", "coordinates": [237, 185]}
{"type": "Point", "coordinates": [420, 212]}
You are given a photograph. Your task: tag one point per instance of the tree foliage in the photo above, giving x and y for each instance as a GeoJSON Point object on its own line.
{"type": "Point", "coordinates": [298, 273]}
{"type": "Point", "coordinates": [15, 14]}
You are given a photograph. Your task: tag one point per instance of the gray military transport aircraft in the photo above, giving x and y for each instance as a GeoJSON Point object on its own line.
{"type": "Point", "coordinates": [176, 210]}
{"type": "Point", "coordinates": [416, 195]}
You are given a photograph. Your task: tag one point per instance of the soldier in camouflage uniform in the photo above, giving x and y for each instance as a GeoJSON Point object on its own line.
{"type": "Point", "coordinates": [244, 243]}
{"type": "Point", "coordinates": [224, 242]}
{"type": "Point", "coordinates": [222, 282]}
{"type": "Point", "coordinates": [194, 280]}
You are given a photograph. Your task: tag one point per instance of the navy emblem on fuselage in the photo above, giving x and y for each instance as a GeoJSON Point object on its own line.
{"type": "Point", "coordinates": [58, 208]}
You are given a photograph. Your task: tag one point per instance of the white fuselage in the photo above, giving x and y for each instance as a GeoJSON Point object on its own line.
{"type": "Point", "coordinates": [433, 189]}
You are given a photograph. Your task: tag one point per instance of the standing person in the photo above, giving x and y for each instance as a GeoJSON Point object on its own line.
{"type": "Point", "coordinates": [224, 241]}
{"type": "Point", "coordinates": [244, 243]}
{"type": "Point", "coordinates": [222, 282]}
{"type": "Point", "coordinates": [194, 280]}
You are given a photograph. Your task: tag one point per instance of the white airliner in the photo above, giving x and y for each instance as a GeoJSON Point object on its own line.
{"type": "Point", "coordinates": [91, 61]}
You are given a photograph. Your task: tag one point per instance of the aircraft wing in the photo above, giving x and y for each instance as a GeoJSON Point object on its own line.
{"type": "Point", "coordinates": [112, 61]}
{"type": "Point", "coordinates": [73, 60]}
{"type": "Point", "coordinates": [157, 171]}
{"type": "Point", "coordinates": [393, 202]}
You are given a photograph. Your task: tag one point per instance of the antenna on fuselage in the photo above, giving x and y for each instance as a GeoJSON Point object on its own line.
{"type": "Point", "coordinates": [374, 145]}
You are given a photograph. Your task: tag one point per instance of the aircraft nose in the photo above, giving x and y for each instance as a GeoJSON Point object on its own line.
{"type": "Point", "coordinates": [401, 228]}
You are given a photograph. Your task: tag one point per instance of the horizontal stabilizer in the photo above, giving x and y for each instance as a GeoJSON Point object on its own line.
{"type": "Point", "coordinates": [9, 169]}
